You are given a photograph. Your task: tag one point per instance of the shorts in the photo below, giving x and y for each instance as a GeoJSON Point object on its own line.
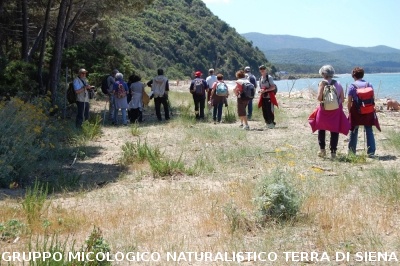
{"type": "Point", "coordinates": [241, 106]}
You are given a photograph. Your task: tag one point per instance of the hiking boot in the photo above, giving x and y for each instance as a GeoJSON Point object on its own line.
{"type": "Point", "coordinates": [241, 126]}
{"type": "Point", "coordinates": [322, 153]}
{"type": "Point", "coordinates": [246, 127]}
{"type": "Point", "coordinates": [333, 155]}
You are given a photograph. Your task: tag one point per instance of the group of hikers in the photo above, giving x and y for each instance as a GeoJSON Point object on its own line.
{"type": "Point", "coordinates": [130, 97]}
{"type": "Point", "coordinates": [329, 116]}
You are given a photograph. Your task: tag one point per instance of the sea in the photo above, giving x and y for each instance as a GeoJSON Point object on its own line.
{"type": "Point", "coordinates": [386, 85]}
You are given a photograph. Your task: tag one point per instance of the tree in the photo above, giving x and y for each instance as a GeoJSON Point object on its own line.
{"type": "Point", "coordinates": [66, 20]}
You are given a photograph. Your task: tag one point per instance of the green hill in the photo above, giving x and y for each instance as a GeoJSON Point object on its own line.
{"type": "Point", "coordinates": [180, 36]}
{"type": "Point", "coordinates": [183, 36]}
{"type": "Point", "coordinates": [306, 55]}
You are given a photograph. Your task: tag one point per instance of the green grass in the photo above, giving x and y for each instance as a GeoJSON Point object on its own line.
{"type": "Point", "coordinates": [136, 152]}
{"type": "Point", "coordinates": [387, 183]}
{"type": "Point", "coordinates": [33, 203]}
{"type": "Point", "coordinates": [393, 140]}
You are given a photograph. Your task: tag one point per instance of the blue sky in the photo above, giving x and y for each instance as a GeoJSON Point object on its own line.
{"type": "Point", "coordinates": [358, 23]}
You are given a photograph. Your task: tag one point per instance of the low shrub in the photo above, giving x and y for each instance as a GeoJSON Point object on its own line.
{"type": "Point", "coordinates": [11, 230]}
{"type": "Point", "coordinates": [22, 141]}
{"type": "Point", "coordinates": [276, 200]}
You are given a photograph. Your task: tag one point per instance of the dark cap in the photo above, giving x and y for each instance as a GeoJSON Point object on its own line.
{"type": "Point", "coordinates": [160, 71]}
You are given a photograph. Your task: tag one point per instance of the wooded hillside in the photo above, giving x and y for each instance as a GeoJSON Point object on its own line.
{"type": "Point", "coordinates": [39, 41]}
{"type": "Point", "coordinates": [307, 55]}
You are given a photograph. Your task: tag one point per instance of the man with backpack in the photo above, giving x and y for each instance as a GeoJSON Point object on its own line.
{"type": "Point", "coordinates": [107, 88]}
{"type": "Point", "coordinates": [250, 77]}
{"type": "Point", "coordinates": [160, 88]}
{"type": "Point", "coordinates": [198, 88]}
{"type": "Point", "coordinates": [82, 87]}
{"type": "Point", "coordinates": [267, 96]}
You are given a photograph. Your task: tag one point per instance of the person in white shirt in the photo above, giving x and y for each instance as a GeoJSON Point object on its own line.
{"type": "Point", "coordinates": [211, 79]}
{"type": "Point", "coordinates": [82, 87]}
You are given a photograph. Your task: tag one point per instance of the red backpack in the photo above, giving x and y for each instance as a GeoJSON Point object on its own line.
{"type": "Point", "coordinates": [120, 92]}
{"type": "Point", "coordinates": [365, 99]}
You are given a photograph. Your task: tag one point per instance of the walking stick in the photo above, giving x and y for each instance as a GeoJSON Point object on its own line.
{"type": "Point", "coordinates": [104, 115]}
{"type": "Point", "coordinates": [365, 133]}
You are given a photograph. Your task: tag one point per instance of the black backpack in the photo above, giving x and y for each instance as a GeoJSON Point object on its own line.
{"type": "Point", "coordinates": [248, 90]}
{"type": "Point", "coordinates": [199, 87]}
{"type": "Point", "coordinates": [71, 95]}
{"type": "Point", "coordinates": [267, 80]}
{"type": "Point", "coordinates": [104, 85]}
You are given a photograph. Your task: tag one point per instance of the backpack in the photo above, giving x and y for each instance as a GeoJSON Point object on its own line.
{"type": "Point", "coordinates": [71, 95]}
{"type": "Point", "coordinates": [199, 87]}
{"type": "Point", "coordinates": [251, 78]}
{"type": "Point", "coordinates": [120, 92]}
{"type": "Point", "coordinates": [267, 80]}
{"type": "Point", "coordinates": [330, 97]}
{"type": "Point", "coordinates": [248, 90]}
{"type": "Point", "coordinates": [222, 89]}
{"type": "Point", "coordinates": [104, 85]}
{"type": "Point", "coordinates": [158, 87]}
{"type": "Point", "coordinates": [365, 99]}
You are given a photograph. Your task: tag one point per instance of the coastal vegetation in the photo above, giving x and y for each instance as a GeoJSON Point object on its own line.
{"type": "Point", "coordinates": [176, 186]}
{"type": "Point", "coordinates": [205, 187]}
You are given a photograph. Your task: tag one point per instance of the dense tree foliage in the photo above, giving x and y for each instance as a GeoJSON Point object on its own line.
{"type": "Point", "coordinates": [37, 33]}
{"type": "Point", "coordinates": [182, 37]}
{"type": "Point", "coordinates": [39, 40]}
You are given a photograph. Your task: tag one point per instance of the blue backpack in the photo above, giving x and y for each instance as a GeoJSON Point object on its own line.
{"type": "Point", "coordinates": [222, 89]}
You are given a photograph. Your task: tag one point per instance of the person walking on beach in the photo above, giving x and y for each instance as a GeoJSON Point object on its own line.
{"type": "Point", "coordinates": [250, 77]}
{"type": "Point", "coordinates": [120, 90]}
{"type": "Point", "coordinates": [243, 99]}
{"type": "Point", "coordinates": [198, 88]}
{"type": "Point", "coordinates": [160, 88]}
{"type": "Point", "coordinates": [333, 118]}
{"type": "Point", "coordinates": [82, 87]}
{"type": "Point", "coordinates": [211, 79]}
{"type": "Point", "coordinates": [360, 116]}
{"type": "Point", "coordinates": [267, 97]}
{"type": "Point", "coordinates": [219, 93]}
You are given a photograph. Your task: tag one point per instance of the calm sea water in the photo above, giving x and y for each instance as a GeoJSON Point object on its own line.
{"type": "Point", "coordinates": [385, 85]}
